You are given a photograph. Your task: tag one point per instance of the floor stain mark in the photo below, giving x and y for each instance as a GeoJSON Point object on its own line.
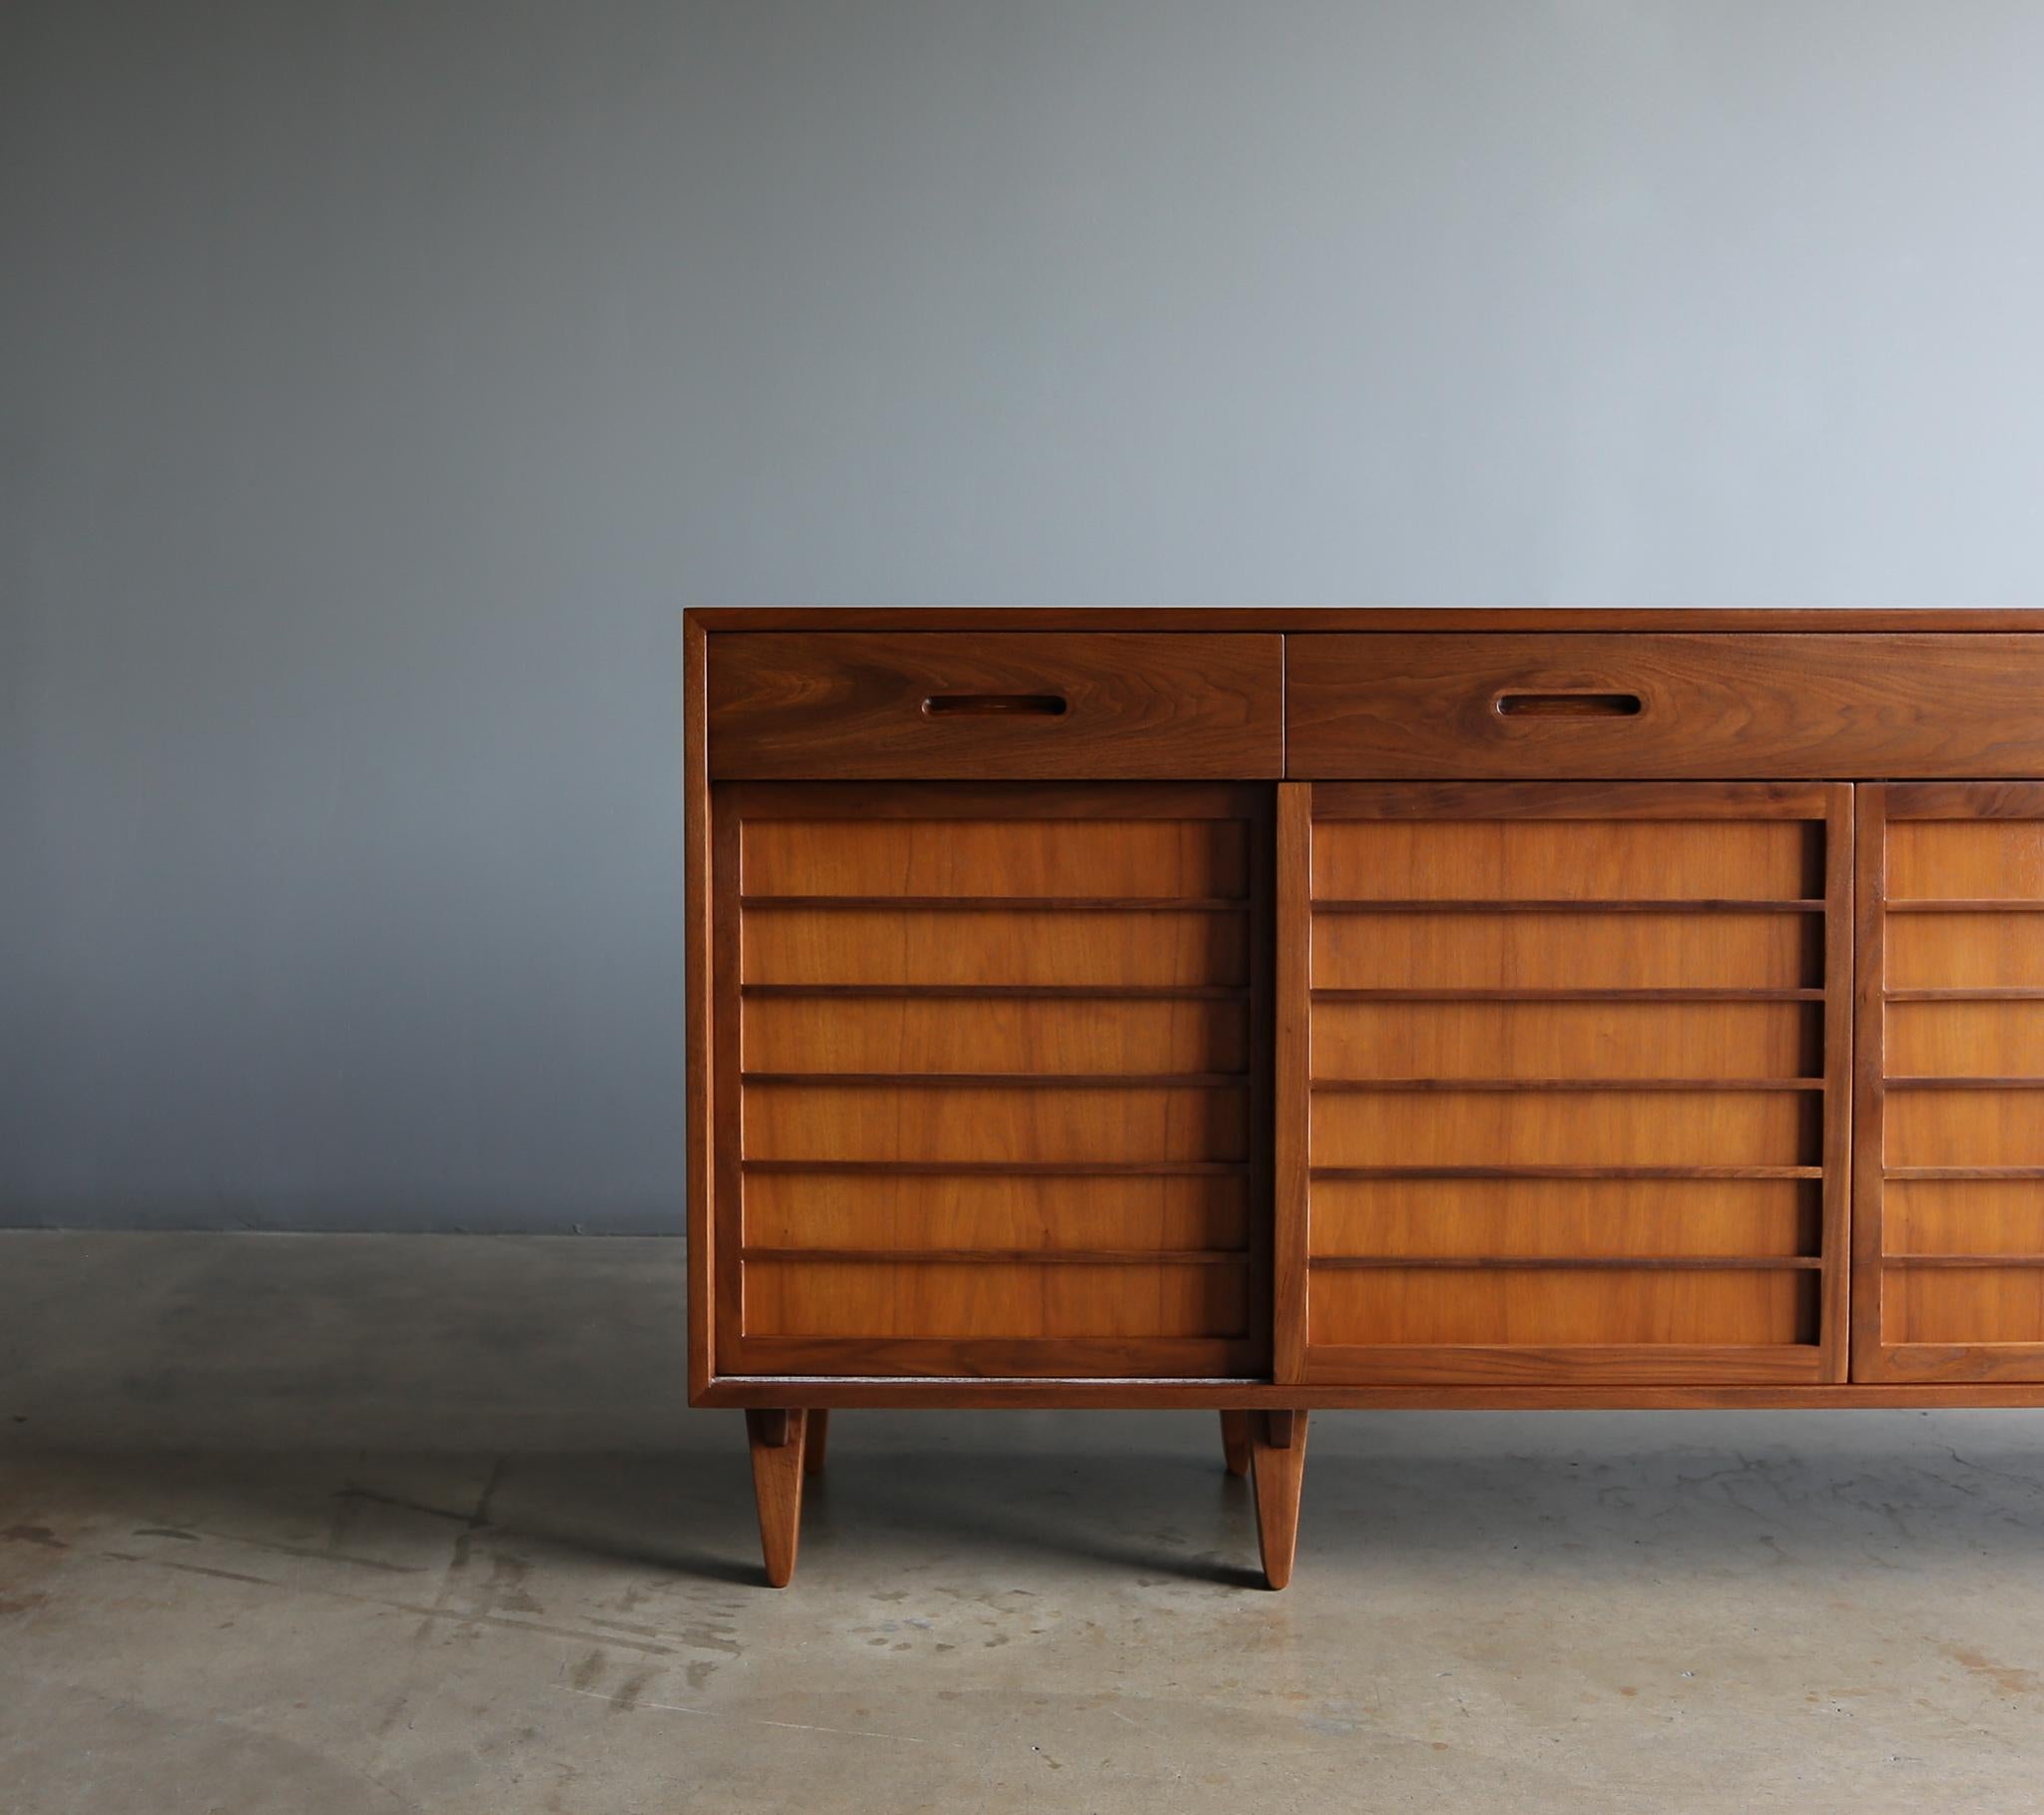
{"type": "Point", "coordinates": [36, 1534]}
{"type": "Point", "coordinates": [194, 1568]}
{"type": "Point", "coordinates": [319, 1555]}
{"type": "Point", "coordinates": [2007, 1677]}
{"type": "Point", "coordinates": [794, 1727]}
{"type": "Point", "coordinates": [401, 1504]}
{"type": "Point", "coordinates": [467, 1617]}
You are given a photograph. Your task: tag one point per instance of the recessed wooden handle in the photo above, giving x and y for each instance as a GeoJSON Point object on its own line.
{"type": "Point", "coordinates": [1570, 705]}
{"type": "Point", "coordinates": [994, 705]}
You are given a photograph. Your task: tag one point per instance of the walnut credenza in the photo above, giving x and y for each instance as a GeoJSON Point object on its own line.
{"type": "Point", "coordinates": [1273, 1010]}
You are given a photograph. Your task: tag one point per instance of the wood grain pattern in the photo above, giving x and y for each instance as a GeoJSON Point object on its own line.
{"type": "Point", "coordinates": [1587, 1040]}
{"type": "Point", "coordinates": [1840, 975]}
{"type": "Point", "coordinates": [1103, 855]}
{"type": "Point", "coordinates": [881, 1297]}
{"type": "Point", "coordinates": [1514, 1384]}
{"type": "Point", "coordinates": [1056, 1037]}
{"type": "Point", "coordinates": [1234, 1442]}
{"type": "Point", "coordinates": [1947, 1281]}
{"type": "Point", "coordinates": [1291, 1237]}
{"type": "Point", "coordinates": [1207, 620]}
{"type": "Point", "coordinates": [1557, 951]}
{"type": "Point", "coordinates": [776, 1438]}
{"type": "Point", "coordinates": [1555, 1306]}
{"type": "Point", "coordinates": [1578, 1134]}
{"type": "Point", "coordinates": [994, 1132]}
{"type": "Point", "coordinates": [1277, 1469]}
{"type": "Point", "coordinates": [699, 1107]}
{"type": "Point", "coordinates": [885, 1211]}
{"type": "Point", "coordinates": [1465, 1216]}
{"type": "Point", "coordinates": [1423, 706]}
{"type": "Point", "coordinates": [851, 704]}
{"type": "Point", "coordinates": [1587, 859]}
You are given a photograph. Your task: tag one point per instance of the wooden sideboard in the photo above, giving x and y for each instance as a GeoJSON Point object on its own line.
{"type": "Point", "coordinates": [1278, 1010]}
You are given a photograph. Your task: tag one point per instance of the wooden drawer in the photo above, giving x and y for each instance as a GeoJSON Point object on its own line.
{"type": "Point", "coordinates": [1444, 707]}
{"type": "Point", "coordinates": [1012, 705]}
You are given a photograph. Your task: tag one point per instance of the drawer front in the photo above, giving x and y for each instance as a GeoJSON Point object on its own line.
{"type": "Point", "coordinates": [1645, 706]}
{"type": "Point", "coordinates": [1572, 1078]}
{"type": "Point", "coordinates": [998, 1093]}
{"type": "Point", "coordinates": [1007, 706]}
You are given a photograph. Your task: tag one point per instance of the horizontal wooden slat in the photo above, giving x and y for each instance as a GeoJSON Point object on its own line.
{"type": "Point", "coordinates": [1563, 1217]}
{"type": "Point", "coordinates": [1562, 1308]}
{"type": "Point", "coordinates": [819, 1299]}
{"type": "Point", "coordinates": [997, 1358]}
{"type": "Point", "coordinates": [1516, 1085]}
{"type": "Point", "coordinates": [1992, 1262]}
{"type": "Point", "coordinates": [1520, 1263]}
{"type": "Point", "coordinates": [1966, 995]}
{"type": "Point", "coordinates": [1606, 1040]}
{"type": "Point", "coordinates": [995, 992]}
{"type": "Point", "coordinates": [1966, 905]}
{"type": "Point", "coordinates": [970, 904]}
{"type": "Point", "coordinates": [1579, 859]}
{"type": "Point", "coordinates": [1332, 904]}
{"type": "Point", "coordinates": [1618, 1128]}
{"type": "Point", "coordinates": [1009, 1080]}
{"type": "Point", "coordinates": [1018, 946]}
{"type": "Point", "coordinates": [1069, 1038]}
{"type": "Point", "coordinates": [1424, 993]}
{"type": "Point", "coordinates": [1003, 1169]}
{"type": "Point", "coordinates": [1025, 857]}
{"type": "Point", "coordinates": [1473, 951]}
{"type": "Point", "coordinates": [2029, 1082]}
{"type": "Point", "coordinates": [1452, 1169]}
{"type": "Point", "coordinates": [891, 1209]}
{"type": "Point", "coordinates": [1000, 1257]}
{"type": "Point", "coordinates": [1592, 801]}
{"type": "Point", "coordinates": [1001, 1125]}
{"type": "Point", "coordinates": [1555, 1367]}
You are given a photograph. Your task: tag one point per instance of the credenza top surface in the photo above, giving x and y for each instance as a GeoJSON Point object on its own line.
{"type": "Point", "coordinates": [1280, 619]}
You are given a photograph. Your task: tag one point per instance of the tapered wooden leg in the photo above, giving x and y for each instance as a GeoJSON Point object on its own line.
{"type": "Point", "coordinates": [1277, 1467]}
{"type": "Point", "coordinates": [815, 1439]}
{"type": "Point", "coordinates": [1234, 1441]}
{"type": "Point", "coordinates": [777, 1440]}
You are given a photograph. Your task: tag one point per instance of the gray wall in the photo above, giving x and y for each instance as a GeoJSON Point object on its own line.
{"type": "Point", "coordinates": [381, 379]}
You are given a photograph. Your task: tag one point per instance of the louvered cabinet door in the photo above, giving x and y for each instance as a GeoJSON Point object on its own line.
{"type": "Point", "coordinates": [1003, 1079]}
{"type": "Point", "coordinates": [1948, 1206]}
{"type": "Point", "coordinates": [1573, 1083]}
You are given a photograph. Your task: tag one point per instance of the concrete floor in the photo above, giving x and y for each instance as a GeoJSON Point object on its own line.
{"type": "Point", "coordinates": [324, 1524]}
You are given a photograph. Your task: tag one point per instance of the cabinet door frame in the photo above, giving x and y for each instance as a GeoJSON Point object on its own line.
{"type": "Point", "coordinates": [1875, 1359]}
{"type": "Point", "coordinates": [1297, 1359]}
{"type": "Point", "coordinates": [1180, 1360]}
